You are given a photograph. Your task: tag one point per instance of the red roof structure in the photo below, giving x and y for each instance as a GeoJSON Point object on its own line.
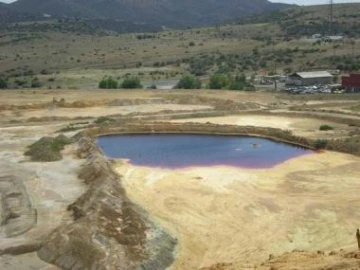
{"type": "Point", "coordinates": [351, 81]}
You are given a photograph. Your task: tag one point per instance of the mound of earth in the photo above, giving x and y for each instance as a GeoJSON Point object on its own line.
{"type": "Point", "coordinates": [48, 149]}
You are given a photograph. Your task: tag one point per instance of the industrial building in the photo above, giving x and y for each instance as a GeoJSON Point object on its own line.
{"type": "Point", "coordinates": [351, 83]}
{"type": "Point", "coordinates": [310, 78]}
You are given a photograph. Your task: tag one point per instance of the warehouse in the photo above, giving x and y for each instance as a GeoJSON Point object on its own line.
{"type": "Point", "coordinates": [310, 78]}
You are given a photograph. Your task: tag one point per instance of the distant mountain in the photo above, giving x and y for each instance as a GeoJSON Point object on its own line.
{"type": "Point", "coordinates": [167, 13]}
{"type": "Point", "coordinates": [6, 13]}
{"type": "Point", "coordinates": [9, 15]}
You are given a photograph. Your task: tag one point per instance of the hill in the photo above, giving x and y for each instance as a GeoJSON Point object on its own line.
{"type": "Point", "coordinates": [300, 21]}
{"type": "Point", "coordinates": [6, 14]}
{"type": "Point", "coordinates": [58, 50]}
{"type": "Point", "coordinates": [167, 13]}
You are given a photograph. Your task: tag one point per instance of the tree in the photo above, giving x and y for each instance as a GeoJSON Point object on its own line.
{"type": "Point", "coordinates": [218, 81]}
{"type": "Point", "coordinates": [238, 83]}
{"type": "Point", "coordinates": [108, 83]}
{"type": "Point", "coordinates": [188, 82]}
{"type": "Point", "coordinates": [35, 83]}
{"type": "Point", "coordinates": [131, 83]}
{"type": "Point", "coordinates": [3, 83]}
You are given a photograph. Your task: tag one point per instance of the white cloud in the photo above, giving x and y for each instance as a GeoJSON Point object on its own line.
{"type": "Point", "coordinates": [7, 1]}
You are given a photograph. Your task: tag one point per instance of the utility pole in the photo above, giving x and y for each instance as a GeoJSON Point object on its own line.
{"type": "Point", "coordinates": [353, 41]}
{"type": "Point", "coordinates": [331, 17]}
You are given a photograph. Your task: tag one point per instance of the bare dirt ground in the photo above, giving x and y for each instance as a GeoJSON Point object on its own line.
{"type": "Point", "coordinates": [98, 111]}
{"type": "Point", "coordinates": [221, 215]}
{"type": "Point", "coordinates": [301, 126]}
{"type": "Point", "coordinates": [51, 187]}
{"type": "Point", "coordinates": [225, 214]}
{"type": "Point", "coordinates": [41, 96]}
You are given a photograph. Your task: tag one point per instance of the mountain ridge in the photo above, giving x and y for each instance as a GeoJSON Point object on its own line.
{"type": "Point", "coordinates": [168, 13]}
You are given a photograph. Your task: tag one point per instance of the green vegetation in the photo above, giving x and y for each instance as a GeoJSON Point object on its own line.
{"type": "Point", "coordinates": [325, 127]}
{"type": "Point", "coordinates": [297, 22]}
{"type": "Point", "coordinates": [355, 108]}
{"type": "Point", "coordinates": [35, 83]}
{"type": "Point", "coordinates": [48, 149]}
{"type": "Point", "coordinates": [320, 144]}
{"type": "Point", "coordinates": [188, 82]}
{"type": "Point", "coordinates": [220, 81]}
{"type": "Point", "coordinates": [103, 120]}
{"type": "Point", "coordinates": [108, 83]}
{"type": "Point", "coordinates": [238, 83]}
{"type": "Point", "coordinates": [3, 83]}
{"type": "Point", "coordinates": [131, 83]}
{"type": "Point", "coordinates": [270, 43]}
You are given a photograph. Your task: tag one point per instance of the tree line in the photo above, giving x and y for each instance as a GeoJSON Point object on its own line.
{"type": "Point", "coordinates": [216, 81]}
{"type": "Point", "coordinates": [128, 83]}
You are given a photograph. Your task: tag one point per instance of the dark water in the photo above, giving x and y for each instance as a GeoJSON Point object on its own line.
{"type": "Point", "coordinates": [179, 151]}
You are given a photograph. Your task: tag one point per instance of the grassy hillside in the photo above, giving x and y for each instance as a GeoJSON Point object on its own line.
{"type": "Point", "coordinates": [299, 21]}
{"type": "Point", "coordinates": [70, 53]}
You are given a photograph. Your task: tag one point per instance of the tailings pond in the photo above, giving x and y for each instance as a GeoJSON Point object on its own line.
{"type": "Point", "coordinates": [179, 151]}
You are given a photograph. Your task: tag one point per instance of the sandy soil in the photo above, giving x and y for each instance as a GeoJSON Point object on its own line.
{"type": "Point", "coordinates": [306, 127]}
{"type": "Point", "coordinates": [227, 214]}
{"type": "Point", "coordinates": [98, 111]}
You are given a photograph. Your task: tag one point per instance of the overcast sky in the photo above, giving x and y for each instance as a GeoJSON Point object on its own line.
{"type": "Point", "coordinates": [299, 2]}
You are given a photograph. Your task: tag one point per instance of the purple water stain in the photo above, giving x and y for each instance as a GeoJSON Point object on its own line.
{"type": "Point", "coordinates": [176, 151]}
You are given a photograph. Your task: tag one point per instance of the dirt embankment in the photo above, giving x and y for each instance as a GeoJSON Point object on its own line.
{"type": "Point", "coordinates": [108, 231]}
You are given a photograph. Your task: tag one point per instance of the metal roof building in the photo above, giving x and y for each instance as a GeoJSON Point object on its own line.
{"type": "Point", "coordinates": [310, 78]}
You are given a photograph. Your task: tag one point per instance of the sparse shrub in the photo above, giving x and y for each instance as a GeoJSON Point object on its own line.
{"type": "Point", "coordinates": [131, 83]}
{"type": "Point", "coordinates": [103, 120]}
{"type": "Point", "coordinates": [45, 72]}
{"type": "Point", "coordinates": [35, 83]}
{"type": "Point", "coordinates": [326, 127]}
{"type": "Point", "coordinates": [20, 82]}
{"type": "Point", "coordinates": [108, 83]}
{"type": "Point", "coordinates": [188, 82]}
{"type": "Point", "coordinates": [3, 83]}
{"type": "Point", "coordinates": [320, 144]}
